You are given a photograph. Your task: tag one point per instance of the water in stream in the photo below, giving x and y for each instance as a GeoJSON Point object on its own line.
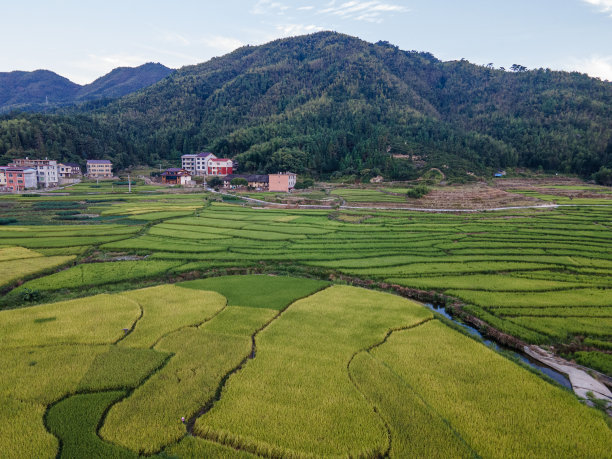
{"type": "Point", "coordinates": [553, 374]}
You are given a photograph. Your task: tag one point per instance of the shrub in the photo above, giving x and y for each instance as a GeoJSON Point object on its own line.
{"type": "Point", "coordinates": [418, 191]}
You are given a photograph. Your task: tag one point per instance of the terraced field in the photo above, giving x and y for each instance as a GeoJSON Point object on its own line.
{"type": "Point", "coordinates": [272, 365]}
{"type": "Point", "coordinates": [131, 373]}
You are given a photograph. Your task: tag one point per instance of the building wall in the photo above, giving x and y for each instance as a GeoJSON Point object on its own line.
{"type": "Point", "coordinates": [282, 182]}
{"type": "Point", "coordinates": [21, 180]}
{"type": "Point", "coordinates": [99, 170]}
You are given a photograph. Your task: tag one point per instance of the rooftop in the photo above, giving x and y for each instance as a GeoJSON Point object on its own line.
{"type": "Point", "coordinates": [98, 161]}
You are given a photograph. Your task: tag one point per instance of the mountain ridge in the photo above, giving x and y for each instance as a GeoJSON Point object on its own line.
{"type": "Point", "coordinates": [41, 90]}
{"type": "Point", "coordinates": [329, 103]}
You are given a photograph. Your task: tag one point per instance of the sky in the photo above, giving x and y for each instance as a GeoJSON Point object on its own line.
{"type": "Point", "coordinates": [84, 40]}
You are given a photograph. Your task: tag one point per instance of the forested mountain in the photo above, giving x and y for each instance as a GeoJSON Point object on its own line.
{"type": "Point", "coordinates": [42, 90]}
{"type": "Point", "coordinates": [328, 102]}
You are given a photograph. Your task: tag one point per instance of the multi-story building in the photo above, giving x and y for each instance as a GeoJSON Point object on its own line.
{"type": "Point", "coordinates": [99, 168]}
{"type": "Point", "coordinates": [20, 178]}
{"type": "Point", "coordinates": [46, 170]}
{"type": "Point", "coordinates": [283, 181]}
{"type": "Point", "coordinates": [69, 170]}
{"type": "Point", "coordinates": [3, 176]}
{"type": "Point", "coordinates": [206, 164]}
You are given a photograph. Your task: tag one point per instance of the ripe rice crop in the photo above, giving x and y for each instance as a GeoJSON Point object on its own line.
{"type": "Point", "coordinates": [583, 311]}
{"type": "Point", "coordinates": [166, 308]}
{"type": "Point", "coordinates": [23, 434]}
{"type": "Point", "coordinates": [15, 269]}
{"type": "Point", "coordinates": [198, 447]}
{"type": "Point", "coordinates": [94, 320]}
{"type": "Point", "coordinates": [477, 392]}
{"type": "Point", "coordinates": [296, 397]}
{"type": "Point", "coordinates": [16, 253]}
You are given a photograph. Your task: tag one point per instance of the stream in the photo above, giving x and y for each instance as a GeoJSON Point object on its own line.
{"type": "Point", "coordinates": [553, 374]}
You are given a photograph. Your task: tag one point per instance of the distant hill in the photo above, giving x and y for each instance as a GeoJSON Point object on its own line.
{"type": "Point", "coordinates": [42, 89]}
{"type": "Point", "coordinates": [328, 104]}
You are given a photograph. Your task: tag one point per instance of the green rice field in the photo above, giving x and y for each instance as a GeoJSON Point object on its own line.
{"type": "Point", "coordinates": [177, 325]}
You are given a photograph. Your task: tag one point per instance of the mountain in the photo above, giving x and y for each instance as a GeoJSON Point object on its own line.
{"type": "Point", "coordinates": [42, 90]}
{"type": "Point", "coordinates": [122, 81]}
{"type": "Point", "coordinates": [37, 87]}
{"type": "Point", "coordinates": [329, 103]}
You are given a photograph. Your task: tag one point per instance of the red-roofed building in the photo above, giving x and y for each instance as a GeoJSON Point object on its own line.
{"type": "Point", "coordinates": [207, 164]}
{"type": "Point", "coordinates": [220, 166]}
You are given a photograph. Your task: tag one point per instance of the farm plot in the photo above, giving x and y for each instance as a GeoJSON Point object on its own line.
{"type": "Point", "coordinates": [475, 391]}
{"type": "Point", "coordinates": [295, 397]}
{"type": "Point", "coordinates": [12, 270]}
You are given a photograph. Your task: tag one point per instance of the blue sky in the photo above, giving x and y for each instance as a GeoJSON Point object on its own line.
{"type": "Point", "coordinates": [83, 40]}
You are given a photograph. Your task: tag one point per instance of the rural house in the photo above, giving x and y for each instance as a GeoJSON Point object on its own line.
{"type": "Point", "coordinates": [255, 181]}
{"type": "Point", "coordinates": [283, 181]}
{"type": "Point", "coordinates": [176, 176]}
{"type": "Point", "coordinates": [20, 178]}
{"type": "Point", "coordinates": [99, 168]}
{"type": "Point", "coordinates": [46, 170]}
{"type": "Point", "coordinates": [207, 164]}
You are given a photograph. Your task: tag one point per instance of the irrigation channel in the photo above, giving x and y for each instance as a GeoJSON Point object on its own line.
{"type": "Point", "coordinates": [553, 374]}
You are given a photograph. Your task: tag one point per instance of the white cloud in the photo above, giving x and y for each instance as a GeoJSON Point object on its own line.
{"type": "Point", "coordinates": [605, 6]}
{"type": "Point", "coordinates": [359, 10]}
{"type": "Point", "coordinates": [290, 30]}
{"type": "Point", "coordinates": [221, 43]}
{"type": "Point", "coordinates": [268, 6]}
{"type": "Point", "coordinates": [305, 8]}
{"type": "Point", "coordinates": [595, 66]}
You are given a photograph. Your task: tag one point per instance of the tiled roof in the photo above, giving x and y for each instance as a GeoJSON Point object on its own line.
{"type": "Point", "coordinates": [72, 165]}
{"type": "Point", "coordinates": [220, 159]}
{"type": "Point", "coordinates": [204, 154]}
{"type": "Point", "coordinates": [98, 161]}
{"type": "Point", "coordinates": [247, 177]}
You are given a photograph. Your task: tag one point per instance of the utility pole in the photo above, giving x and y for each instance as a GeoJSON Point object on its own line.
{"type": "Point", "coordinates": [129, 184]}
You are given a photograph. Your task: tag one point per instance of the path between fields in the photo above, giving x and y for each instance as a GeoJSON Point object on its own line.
{"type": "Point", "coordinates": [582, 382]}
{"type": "Point", "coordinates": [414, 209]}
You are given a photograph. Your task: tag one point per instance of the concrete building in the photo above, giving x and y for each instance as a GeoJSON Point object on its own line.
{"type": "Point", "coordinates": [69, 173]}
{"type": "Point", "coordinates": [99, 168]}
{"type": "Point", "coordinates": [283, 181]}
{"type": "Point", "coordinates": [176, 176]}
{"type": "Point", "coordinates": [3, 176]}
{"type": "Point", "coordinates": [197, 163]}
{"type": "Point", "coordinates": [206, 164]}
{"type": "Point", "coordinates": [46, 170]}
{"type": "Point", "coordinates": [20, 178]}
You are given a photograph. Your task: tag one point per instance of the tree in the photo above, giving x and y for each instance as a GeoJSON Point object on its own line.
{"type": "Point", "coordinates": [603, 176]}
{"type": "Point", "coordinates": [214, 182]}
{"type": "Point", "coordinates": [239, 181]}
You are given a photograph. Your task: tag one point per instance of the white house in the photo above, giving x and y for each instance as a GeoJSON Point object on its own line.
{"type": "Point", "coordinates": [206, 164]}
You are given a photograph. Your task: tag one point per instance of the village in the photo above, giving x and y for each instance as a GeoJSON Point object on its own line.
{"type": "Point", "coordinates": [30, 174]}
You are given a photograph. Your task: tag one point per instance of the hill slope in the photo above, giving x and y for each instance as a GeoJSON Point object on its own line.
{"type": "Point", "coordinates": [43, 90]}
{"type": "Point", "coordinates": [329, 102]}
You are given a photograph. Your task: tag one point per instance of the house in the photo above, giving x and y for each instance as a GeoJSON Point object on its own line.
{"type": "Point", "coordinates": [20, 178]}
{"type": "Point", "coordinates": [207, 164]}
{"type": "Point", "coordinates": [176, 176]}
{"type": "Point", "coordinates": [255, 181]}
{"type": "Point", "coordinates": [3, 176]}
{"type": "Point", "coordinates": [197, 163]}
{"type": "Point", "coordinates": [283, 181]}
{"type": "Point", "coordinates": [46, 170]}
{"type": "Point", "coordinates": [99, 168]}
{"type": "Point", "coordinates": [69, 170]}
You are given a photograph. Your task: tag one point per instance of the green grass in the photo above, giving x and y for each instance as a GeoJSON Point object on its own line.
{"type": "Point", "coordinates": [477, 392]}
{"type": "Point", "coordinates": [258, 291]}
{"type": "Point", "coordinates": [565, 329]}
{"type": "Point", "coordinates": [295, 397]}
{"type": "Point", "coordinates": [75, 420]}
{"type": "Point", "coordinates": [569, 298]}
{"type": "Point", "coordinates": [121, 368]}
{"type": "Point", "coordinates": [596, 360]}
{"type": "Point", "coordinates": [482, 282]}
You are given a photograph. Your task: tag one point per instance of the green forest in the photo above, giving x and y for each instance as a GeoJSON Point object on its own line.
{"type": "Point", "coordinates": [327, 103]}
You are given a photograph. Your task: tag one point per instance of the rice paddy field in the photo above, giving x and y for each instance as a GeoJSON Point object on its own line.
{"type": "Point", "coordinates": [178, 325]}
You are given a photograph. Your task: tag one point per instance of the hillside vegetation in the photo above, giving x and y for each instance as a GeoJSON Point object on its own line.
{"type": "Point", "coordinates": [328, 102]}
